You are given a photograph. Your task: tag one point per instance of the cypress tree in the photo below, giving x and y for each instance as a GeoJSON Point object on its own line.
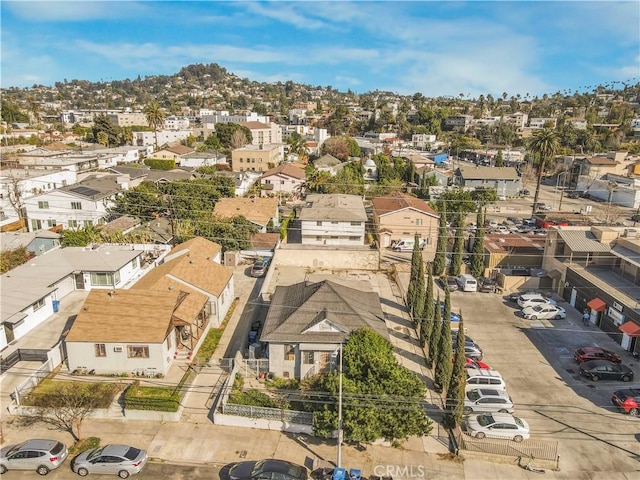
{"type": "Point", "coordinates": [477, 256]}
{"type": "Point", "coordinates": [444, 365]}
{"type": "Point", "coordinates": [458, 244]}
{"type": "Point", "coordinates": [457, 383]}
{"type": "Point", "coordinates": [426, 324]}
{"type": "Point", "coordinates": [440, 259]}
{"type": "Point", "coordinates": [416, 278]}
{"type": "Point", "coordinates": [434, 338]}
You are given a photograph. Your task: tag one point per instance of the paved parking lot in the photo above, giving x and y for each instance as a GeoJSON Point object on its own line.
{"type": "Point", "coordinates": [535, 358]}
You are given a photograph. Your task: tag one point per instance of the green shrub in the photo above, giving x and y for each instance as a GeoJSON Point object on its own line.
{"type": "Point", "coordinates": [254, 398]}
{"type": "Point", "coordinates": [82, 445]}
{"type": "Point", "coordinates": [48, 392]}
{"type": "Point", "coordinates": [278, 383]}
{"type": "Point", "coordinates": [160, 163]}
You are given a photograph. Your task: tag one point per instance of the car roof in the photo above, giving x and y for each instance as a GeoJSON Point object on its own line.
{"type": "Point", "coordinates": [501, 417]}
{"type": "Point", "coordinates": [274, 465]}
{"type": "Point", "coordinates": [598, 363]}
{"type": "Point", "coordinates": [39, 444]}
{"type": "Point", "coordinates": [628, 392]}
{"type": "Point", "coordinates": [591, 349]}
{"type": "Point", "coordinates": [491, 392]}
{"type": "Point", "coordinates": [115, 449]}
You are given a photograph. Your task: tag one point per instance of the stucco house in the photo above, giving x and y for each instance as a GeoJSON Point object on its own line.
{"type": "Point", "coordinates": [328, 163]}
{"type": "Point", "coordinates": [333, 220]}
{"type": "Point", "coordinates": [504, 180]}
{"type": "Point", "coordinates": [144, 330]}
{"type": "Point", "coordinates": [307, 322]}
{"type": "Point", "coordinates": [194, 266]}
{"type": "Point", "coordinates": [399, 215]}
{"type": "Point", "coordinates": [259, 211]}
{"type": "Point", "coordinates": [285, 178]}
{"type": "Point", "coordinates": [29, 293]}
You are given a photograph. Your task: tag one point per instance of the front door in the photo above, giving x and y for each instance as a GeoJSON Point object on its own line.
{"type": "Point", "coordinates": [324, 362]}
{"type": "Point", "coordinates": [574, 294]}
{"type": "Point", "coordinates": [79, 278]}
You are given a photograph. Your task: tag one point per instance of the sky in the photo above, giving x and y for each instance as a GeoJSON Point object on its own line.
{"type": "Point", "coordinates": [443, 48]}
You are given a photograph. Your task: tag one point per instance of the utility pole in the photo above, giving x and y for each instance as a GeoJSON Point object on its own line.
{"type": "Point", "coordinates": [339, 459]}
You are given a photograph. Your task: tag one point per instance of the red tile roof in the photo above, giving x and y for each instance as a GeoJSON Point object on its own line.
{"type": "Point", "coordinates": [400, 201]}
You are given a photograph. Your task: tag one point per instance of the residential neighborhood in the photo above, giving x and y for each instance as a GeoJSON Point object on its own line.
{"type": "Point", "coordinates": [306, 271]}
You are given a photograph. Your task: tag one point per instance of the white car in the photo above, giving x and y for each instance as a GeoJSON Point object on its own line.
{"type": "Point", "coordinates": [544, 312]}
{"type": "Point", "coordinates": [533, 299]}
{"type": "Point", "coordinates": [487, 400]}
{"type": "Point", "coordinates": [497, 425]}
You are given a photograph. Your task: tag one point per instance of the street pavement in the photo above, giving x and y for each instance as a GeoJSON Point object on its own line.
{"type": "Point", "coordinates": [205, 449]}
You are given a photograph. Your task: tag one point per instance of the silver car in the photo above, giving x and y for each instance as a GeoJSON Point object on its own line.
{"type": "Point", "coordinates": [39, 455]}
{"type": "Point", "coordinates": [487, 400]}
{"type": "Point", "coordinates": [121, 460]}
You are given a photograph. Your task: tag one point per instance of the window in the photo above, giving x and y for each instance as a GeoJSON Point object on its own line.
{"type": "Point", "coordinates": [319, 224]}
{"type": "Point", "coordinates": [105, 279]}
{"type": "Point", "coordinates": [38, 305]}
{"type": "Point", "coordinates": [134, 263]}
{"type": "Point", "coordinates": [87, 223]}
{"type": "Point", "coordinates": [354, 238]}
{"type": "Point", "coordinates": [138, 351]}
{"type": "Point", "coordinates": [36, 224]}
{"type": "Point", "coordinates": [307, 358]}
{"type": "Point", "coordinates": [418, 222]}
{"type": "Point", "coordinates": [43, 205]}
{"type": "Point", "coordinates": [76, 205]}
{"type": "Point", "coordinates": [51, 223]}
{"type": "Point", "coordinates": [73, 224]}
{"type": "Point", "coordinates": [355, 224]}
{"type": "Point", "coordinates": [100, 349]}
{"type": "Point", "coordinates": [281, 182]}
{"type": "Point", "coordinates": [289, 352]}
{"type": "Point", "coordinates": [335, 223]}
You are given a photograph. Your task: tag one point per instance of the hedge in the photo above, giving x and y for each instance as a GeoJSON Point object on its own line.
{"type": "Point", "coordinates": [160, 164]}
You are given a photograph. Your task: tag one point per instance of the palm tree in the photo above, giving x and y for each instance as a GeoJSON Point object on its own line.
{"type": "Point", "coordinates": [545, 145]}
{"type": "Point", "coordinates": [155, 118]}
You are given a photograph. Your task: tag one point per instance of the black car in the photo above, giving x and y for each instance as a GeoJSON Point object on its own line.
{"type": "Point", "coordinates": [605, 370]}
{"type": "Point", "coordinates": [574, 194]}
{"type": "Point", "coordinates": [487, 285]}
{"type": "Point", "coordinates": [267, 469]}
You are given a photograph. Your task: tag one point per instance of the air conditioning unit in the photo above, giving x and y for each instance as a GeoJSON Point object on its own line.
{"type": "Point", "coordinates": [630, 233]}
{"type": "Point", "coordinates": [118, 349]}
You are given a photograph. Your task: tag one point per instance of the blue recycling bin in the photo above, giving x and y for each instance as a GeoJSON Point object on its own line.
{"type": "Point", "coordinates": [339, 474]}
{"type": "Point", "coordinates": [56, 305]}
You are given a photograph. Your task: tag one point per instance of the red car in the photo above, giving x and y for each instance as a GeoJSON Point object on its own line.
{"type": "Point", "coordinates": [471, 363]}
{"type": "Point", "coordinates": [584, 354]}
{"type": "Point", "coordinates": [628, 400]}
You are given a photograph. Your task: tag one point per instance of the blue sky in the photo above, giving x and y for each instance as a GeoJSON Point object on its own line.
{"type": "Point", "coordinates": [435, 48]}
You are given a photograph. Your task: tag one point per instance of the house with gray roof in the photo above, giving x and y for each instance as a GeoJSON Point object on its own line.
{"type": "Point", "coordinates": [504, 180]}
{"type": "Point", "coordinates": [202, 159]}
{"type": "Point", "coordinates": [75, 206]}
{"type": "Point", "coordinates": [35, 242]}
{"type": "Point", "coordinates": [328, 163]}
{"type": "Point", "coordinates": [333, 220]}
{"type": "Point", "coordinates": [307, 322]}
{"type": "Point", "coordinates": [28, 292]}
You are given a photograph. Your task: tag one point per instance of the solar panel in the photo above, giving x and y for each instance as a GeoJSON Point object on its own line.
{"type": "Point", "coordinates": [86, 191]}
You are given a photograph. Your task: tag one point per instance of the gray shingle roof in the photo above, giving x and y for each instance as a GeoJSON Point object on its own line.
{"type": "Point", "coordinates": [295, 310]}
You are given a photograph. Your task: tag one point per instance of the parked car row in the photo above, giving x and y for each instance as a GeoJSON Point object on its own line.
{"type": "Point", "coordinates": [537, 306]}
{"type": "Point", "coordinates": [44, 455]}
{"type": "Point", "coordinates": [487, 405]}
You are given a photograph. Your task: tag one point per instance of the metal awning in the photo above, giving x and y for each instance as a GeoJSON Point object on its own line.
{"type": "Point", "coordinates": [626, 254]}
{"type": "Point", "coordinates": [597, 304]}
{"type": "Point", "coordinates": [630, 328]}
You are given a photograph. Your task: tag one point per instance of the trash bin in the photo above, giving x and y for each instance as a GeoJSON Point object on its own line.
{"type": "Point", "coordinates": [56, 305]}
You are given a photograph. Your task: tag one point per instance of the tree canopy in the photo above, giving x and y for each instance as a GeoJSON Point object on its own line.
{"type": "Point", "coordinates": [381, 398]}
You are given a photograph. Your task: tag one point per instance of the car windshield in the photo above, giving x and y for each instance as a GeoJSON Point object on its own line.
{"type": "Point", "coordinates": [16, 448]}
{"type": "Point", "coordinates": [536, 308]}
{"type": "Point", "coordinates": [473, 395]}
{"type": "Point", "coordinates": [95, 453]}
{"type": "Point", "coordinates": [518, 422]}
{"type": "Point", "coordinates": [257, 468]}
{"type": "Point", "coordinates": [57, 448]}
{"type": "Point", "coordinates": [485, 420]}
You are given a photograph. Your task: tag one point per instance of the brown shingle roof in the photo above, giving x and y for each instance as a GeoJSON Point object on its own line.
{"type": "Point", "coordinates": [254, 125]}
{"type": "Point", "coordinates": [257, 210]}
{"type": "Point", "coordinates": [488, 173]}
{"type": "Point", "coordinates": [180, 149]}
{"type": "Point", "coordinates": [193, 268]}
{"type": "Point", "coordinates": [286, 169]}
{"type": "Point", "coordinates": [399, 201]}
{"type": "Point", "coordinates": [127, 316]}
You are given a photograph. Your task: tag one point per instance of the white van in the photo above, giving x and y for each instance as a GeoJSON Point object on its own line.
{"type": "Point", "coordinates": [406, 244]}
{"type": "Point", "coordinates": [482, 378]}
{"type": "Point", "coordinates": [467, 283]}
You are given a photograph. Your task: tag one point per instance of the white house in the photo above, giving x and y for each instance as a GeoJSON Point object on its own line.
{"type": "Point", "coordinates": [164, 137]}
{"type": "Point", "coordinates": [202, 159]}
{"type": "Point", "coordinates": [74, 206]}
{"type": "Point", "coordinates": [333, 220]}
{"type": "Point", "coordinates": [285, 178]}
{"type": "Point", "coordinates": [28, 292]}
{"type": "Point", "coordinates": [23, 183]}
